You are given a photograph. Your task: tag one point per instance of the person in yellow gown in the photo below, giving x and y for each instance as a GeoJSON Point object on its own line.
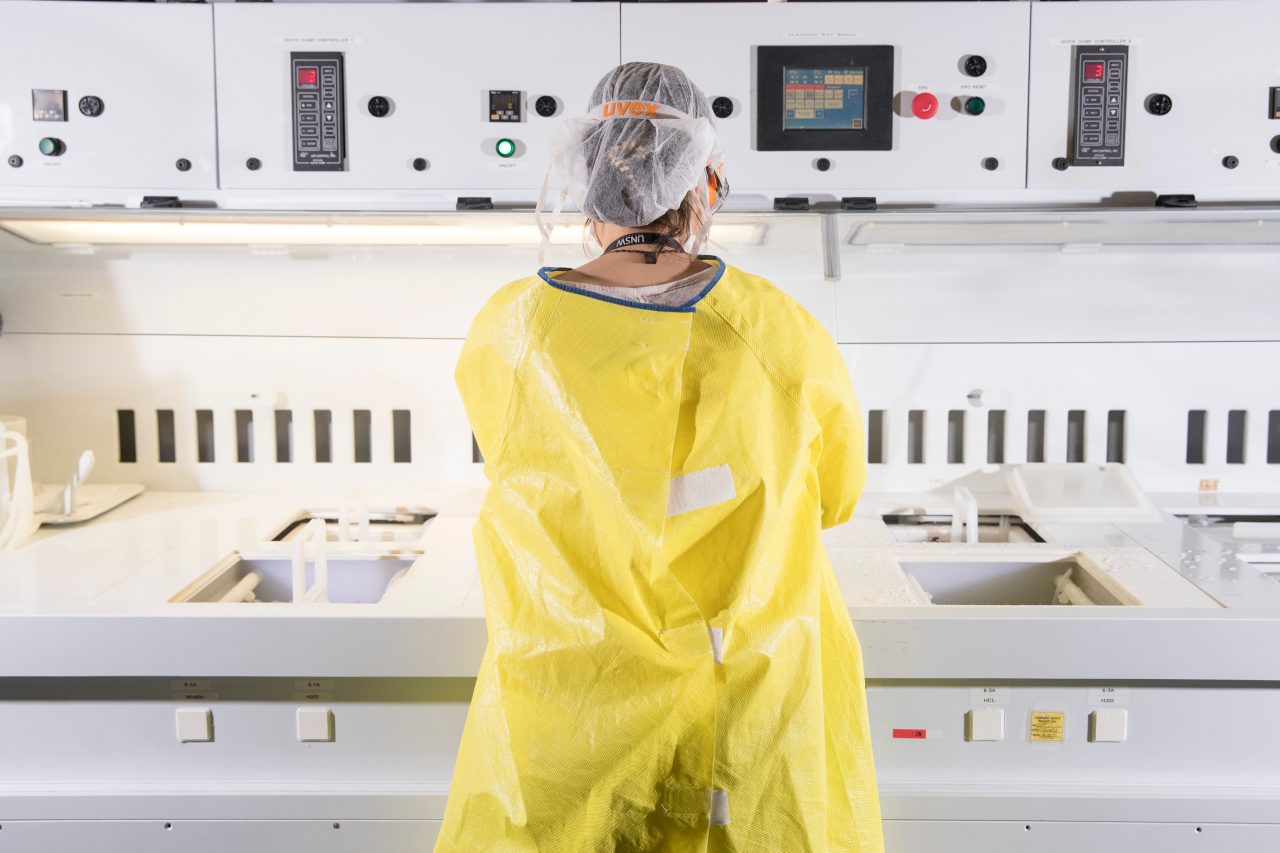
{"type": "Point", "coordinates": [670, 664]}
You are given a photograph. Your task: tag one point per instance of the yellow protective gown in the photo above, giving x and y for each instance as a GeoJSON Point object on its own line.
{"type": "Point", "coordinates": [670, 665]}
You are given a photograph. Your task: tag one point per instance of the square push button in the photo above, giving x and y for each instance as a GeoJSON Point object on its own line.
{"type": "Point", "coordinates": [1109, 725]}
{"type": "Point", "coordinates": [195, 725]}
{"type": "Point", "coordinates": [984, 724]}
{"type": "Point", "coordinates": [315, 724]}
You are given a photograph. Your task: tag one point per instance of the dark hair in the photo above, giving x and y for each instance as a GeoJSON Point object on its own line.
{"type": "Point", "coordinates": [675, 223]}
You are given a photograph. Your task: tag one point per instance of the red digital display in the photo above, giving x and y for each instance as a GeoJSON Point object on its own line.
{"type": "Point", "coordinates": [1093, 70]}
{"type": "Point", "coordinates": [309, 76]}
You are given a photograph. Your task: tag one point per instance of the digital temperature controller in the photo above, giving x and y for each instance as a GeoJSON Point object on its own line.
{"type": "Point", "coordinates": [319, 112]}
{"type": "Point", "coordinates": [1098, 104]}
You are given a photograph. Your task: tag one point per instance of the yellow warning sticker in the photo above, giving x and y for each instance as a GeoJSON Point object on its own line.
{"type": "Point", "coordinates": [1047, 726]}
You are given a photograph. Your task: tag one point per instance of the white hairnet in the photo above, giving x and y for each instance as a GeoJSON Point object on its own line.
{"type": "Point", "coordinates": [646, 142]}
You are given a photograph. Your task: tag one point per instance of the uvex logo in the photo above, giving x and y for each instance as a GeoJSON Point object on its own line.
{"type": "Point", "coordinates": [635, 108]}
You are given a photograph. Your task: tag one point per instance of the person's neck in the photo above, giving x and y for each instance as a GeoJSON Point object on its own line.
{"type": "Point", "coordinates": [627, 267]}
{"type": "Point", "coordinates": [606, 233]}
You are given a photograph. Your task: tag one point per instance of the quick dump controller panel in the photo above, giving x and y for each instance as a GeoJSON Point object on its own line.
{"type": "Point", "coordinates": [319, 112]}
{"type": "Point", "coordinates": [1100, 75]}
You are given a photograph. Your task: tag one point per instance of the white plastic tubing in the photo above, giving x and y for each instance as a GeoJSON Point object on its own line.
{"type": "Point", "coordinates": [17, 497]}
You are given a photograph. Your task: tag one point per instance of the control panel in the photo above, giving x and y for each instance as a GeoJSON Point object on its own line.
{"type": "Point", "coordinates": [1113, 85]}
{"type": "Point", "coordinates": [48, 105]}
{"type": "Point", "coordinates": [505, 105]}
{"type": "Point", "coordinates": [818, 102]}
{"type": "Point", "coordinates": [1100, 74]}
{"type": "Point", "coordinates": [824, 98]}
{"type": "Point", "coordinates": [103, 102]}
{"type": "Point", "coordinates": [418, 113]}
{"type": "Point", "coordinates": [319, 112]}
{"type": "Point", "coordinates": [827, 101]}
{"type": "Point", "coordinates": [1016, 734]}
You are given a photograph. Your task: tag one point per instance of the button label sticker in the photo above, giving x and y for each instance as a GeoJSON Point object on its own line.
{"type": "Point", "coordinates": [989, 696]}
{"type": "Point", "coordinates": [1047, 726]}
{"type": "Point", "coordinates": [1108, 696]}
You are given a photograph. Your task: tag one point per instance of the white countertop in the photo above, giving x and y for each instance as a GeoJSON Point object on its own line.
{"type": "Point", "coordinates": [135, 558]}
{"type": "Point", "coordinates": [94, 599]}
{"type": "Point", "coordinates": [131, 560]}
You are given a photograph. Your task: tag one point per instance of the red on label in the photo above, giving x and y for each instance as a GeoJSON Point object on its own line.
{"type": "Point", "coordinates": [308, 76]}
{"type": "Point", "coordinates": [1093, 70]}
{"type": "Point", "coordinates": [909, 734]}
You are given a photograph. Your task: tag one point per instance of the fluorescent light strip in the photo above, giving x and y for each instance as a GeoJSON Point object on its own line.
{"type": "Point", "coordinates": [124, 232]}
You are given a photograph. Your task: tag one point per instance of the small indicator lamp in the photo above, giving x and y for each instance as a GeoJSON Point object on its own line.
{"type": "Point", "coordinates": [51, 147]}
{"type": "Point", "coordinates": [975, 106]}
{"type": "Point", "coordinates": [505, 148]}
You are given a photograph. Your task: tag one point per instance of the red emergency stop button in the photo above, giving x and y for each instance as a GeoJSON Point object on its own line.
{"type": "Point", "coordinates": [924, 105]}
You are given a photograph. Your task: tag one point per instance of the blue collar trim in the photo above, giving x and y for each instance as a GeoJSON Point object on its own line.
{"type": "Point", "coordinates": [686, 308]}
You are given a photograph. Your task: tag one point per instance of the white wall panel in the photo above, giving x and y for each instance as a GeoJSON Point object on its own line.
{"type": "Point", "coordinates": [1154, 385]}
{"type": "Point", "coordinates": [152, 67]}
{"type": "Point", "coordinates": [70, 388]}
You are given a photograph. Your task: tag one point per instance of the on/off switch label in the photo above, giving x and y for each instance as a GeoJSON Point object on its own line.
{"type": "Point", "coordinates": [910, 734]}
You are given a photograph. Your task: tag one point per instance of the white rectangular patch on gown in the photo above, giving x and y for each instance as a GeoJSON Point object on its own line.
{"type": "Point", "coordinates": [717, 644]}
{"type": "Point", "coordinates": [700, 489]}
{"type": "Point", "coordinates": [719, 807]}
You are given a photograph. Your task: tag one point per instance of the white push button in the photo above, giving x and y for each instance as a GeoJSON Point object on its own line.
{"type": "Point", "coordinates": [194, 724]}
{"type": "Point", "coordinates": [315, 724]}
{"type": "Point", "coordinates": [1109, 725]}
{"type": "Point", "coordinates": [984, 724]}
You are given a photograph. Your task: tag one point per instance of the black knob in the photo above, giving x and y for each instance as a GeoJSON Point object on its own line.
{"type": "Point", "coordinates": [1159, 105]}
{"type": "Point", "coordinates": [1230, 162]}
{"type": "Point", "coordinates": [545, 106]}
{"type": "Point", "coordinates": [1060, 163]}
{"type": "Point", "coordinates": [15, 161]}
{"type": "Point", "coordinates": [975, 66]}
{"type": "Point", "coordinates": [722, 107]}
{"type": "Point", "coordinates": [1275, 144]}
{"type": "Point", "coordinates": [419, 164]}
{"type": "Point", "coordinates": [379, 106]}
{"type": "Point", "coordinates": [91, 106]}
{"type": "Point", "coordinates": [184, 165]}
{"type": "Point", "coordinates": [822, 164]}
{"type": "Point", "coordinates": [991, 164]}
{"type": "Point", "coordinates": [253, 164]}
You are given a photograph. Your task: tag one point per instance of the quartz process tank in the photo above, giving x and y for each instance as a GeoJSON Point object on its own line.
{"type": "Point", "coordinates": [239, 602]}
